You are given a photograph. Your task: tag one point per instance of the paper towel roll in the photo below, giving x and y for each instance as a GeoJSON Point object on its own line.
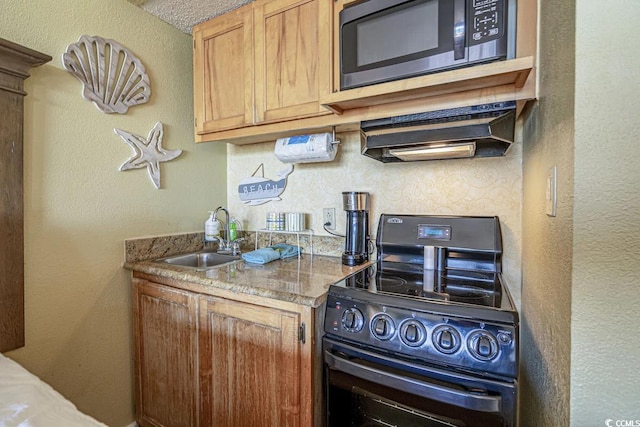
{"type": "Point", "coordinates": [317, 147]}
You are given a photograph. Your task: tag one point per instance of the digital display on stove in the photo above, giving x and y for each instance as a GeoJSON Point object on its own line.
{"type": "Point", "coordinates": [437, 232]}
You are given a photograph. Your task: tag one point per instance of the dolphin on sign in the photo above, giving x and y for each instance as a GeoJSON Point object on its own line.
{"type": "Point", "coordinates": [258, 190]}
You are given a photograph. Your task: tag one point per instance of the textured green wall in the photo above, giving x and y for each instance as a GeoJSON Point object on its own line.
{"type": "Point", "coordinates": [580, 294]}
{"type": "Point", "coordinates": [605, 343]}
{"type": "Point", "coordinates": [547, 241]}
{"type": "Point", "coordinates": [79, 208]}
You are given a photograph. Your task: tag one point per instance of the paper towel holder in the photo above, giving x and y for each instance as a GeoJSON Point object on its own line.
{"type": "Point", "coordinates": [333, 135]}
{"type": "Point", "coordinates": [312, 148]}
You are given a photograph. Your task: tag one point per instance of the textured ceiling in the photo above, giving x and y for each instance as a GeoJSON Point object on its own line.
{"type": "Point", "coordinates": [184, 14]}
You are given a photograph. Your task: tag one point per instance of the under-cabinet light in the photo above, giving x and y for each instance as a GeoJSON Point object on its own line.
{"type": "Point", "coordinates": [435, 151]}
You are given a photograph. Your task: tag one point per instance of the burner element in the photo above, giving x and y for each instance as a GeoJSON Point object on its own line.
{"type": "Point", "coordinates": [391, 282]}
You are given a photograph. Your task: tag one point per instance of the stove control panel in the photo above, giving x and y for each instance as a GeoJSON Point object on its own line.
{"type": "Point", "coordinates": [424, 335]}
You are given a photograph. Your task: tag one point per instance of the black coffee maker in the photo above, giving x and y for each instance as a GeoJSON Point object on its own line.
{"type": "Point", "coordinates": [356, 249]}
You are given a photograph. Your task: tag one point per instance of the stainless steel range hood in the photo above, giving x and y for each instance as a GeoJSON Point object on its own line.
{"type": "Point", "coordinates": [479, 131]}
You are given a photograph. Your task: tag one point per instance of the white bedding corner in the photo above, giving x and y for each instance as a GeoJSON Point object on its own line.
{"type": "Point", "coordinates": [27, 401]}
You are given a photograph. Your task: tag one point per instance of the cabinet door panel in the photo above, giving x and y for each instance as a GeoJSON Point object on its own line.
{"type": "Point", "coordinates": [293, 58]}
{"type": "Point", "coordinates": [222, 72]}
{"type": "Point", "coordinates": [165, 327]}
{"type": "Point", "coordinates": [250, 365]}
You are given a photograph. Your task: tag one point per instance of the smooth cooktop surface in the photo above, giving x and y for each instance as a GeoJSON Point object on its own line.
{"type": "Point", "coordinates": [460, 288]}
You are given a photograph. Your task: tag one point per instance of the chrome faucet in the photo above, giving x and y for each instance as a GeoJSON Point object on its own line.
{"type": "Point", "coordinates": [226, 245]}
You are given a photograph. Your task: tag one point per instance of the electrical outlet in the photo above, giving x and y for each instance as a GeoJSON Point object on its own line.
{"type": "Point", "coordinates": [329, 218]}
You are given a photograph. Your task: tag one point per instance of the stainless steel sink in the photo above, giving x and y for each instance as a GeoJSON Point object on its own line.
{"type": "Point", "coordinates": [200, 260]}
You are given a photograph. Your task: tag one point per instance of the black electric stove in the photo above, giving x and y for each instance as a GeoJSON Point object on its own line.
{"type": "Point", "coordinates": [436, 294]}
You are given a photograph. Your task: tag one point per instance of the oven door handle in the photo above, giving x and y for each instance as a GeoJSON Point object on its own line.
{"type": "Point", "coordinates": [414, 386]}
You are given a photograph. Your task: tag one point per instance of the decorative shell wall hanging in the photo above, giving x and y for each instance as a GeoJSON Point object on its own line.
{"type": "Point", "coordinates": [113, 77]}
{"type": "Point", "coordinates": [147, 152]}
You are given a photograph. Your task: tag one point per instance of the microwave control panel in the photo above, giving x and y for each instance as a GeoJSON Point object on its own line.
{"type": "Point", "coordinates": [487, 18]}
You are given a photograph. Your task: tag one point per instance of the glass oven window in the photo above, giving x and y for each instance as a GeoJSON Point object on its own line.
{"type": "Point", "coordinates": [374, 410]}
{"type": "Point", "coordinates": [353, 401]}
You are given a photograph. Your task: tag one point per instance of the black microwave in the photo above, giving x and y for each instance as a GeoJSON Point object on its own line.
{"type": "Point", "coordinates": [386, 40]}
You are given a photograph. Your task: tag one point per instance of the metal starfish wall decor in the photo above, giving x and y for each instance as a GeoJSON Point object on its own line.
{"type": "Point", "coordinates": [147, 152]}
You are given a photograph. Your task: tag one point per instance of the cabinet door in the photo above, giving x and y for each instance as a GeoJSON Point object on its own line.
{"type": "Point", "coordinates": [222, 58]}
{"type": "Point", "coordinates": [250, 366]}
{"type": "Point", "coordinates": [293, 65]}
{"type": "Point", "coordinates": [166, 345]}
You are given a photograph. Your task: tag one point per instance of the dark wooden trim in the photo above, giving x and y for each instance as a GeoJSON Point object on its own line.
{"type": "Point", "coordinates": [15, 62]}
{"type": "Point", "coordinates": [20, 59]}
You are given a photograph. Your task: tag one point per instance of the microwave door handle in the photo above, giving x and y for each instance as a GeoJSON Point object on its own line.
{"type": "Point", "coordinates": [415, 386]}
{"type": "Point", "coordinates": [459, 29]}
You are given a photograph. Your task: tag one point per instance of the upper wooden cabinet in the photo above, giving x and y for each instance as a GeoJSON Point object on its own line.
{"type": "Point", "coordinates": [502, 80]}
{"type": "Point", "coordinates": [269, 61]}
{"type": "Point", "coordinates": [281, 68]}
{"type": "Point", "coordinates": [223, 74]}
{"type": "Point", "coordinates": [292, 58]}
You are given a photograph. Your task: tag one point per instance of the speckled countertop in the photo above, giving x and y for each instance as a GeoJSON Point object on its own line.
{"type": "Point", "coordinates": [302, 281]}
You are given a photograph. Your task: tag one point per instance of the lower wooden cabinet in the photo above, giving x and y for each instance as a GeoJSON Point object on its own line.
{"type": "Point", "coordinates": [250, 367]}
{"type": "Point", "coordinates": [206, 361]}
{"type": "Point", "coordinates": [166, 349]}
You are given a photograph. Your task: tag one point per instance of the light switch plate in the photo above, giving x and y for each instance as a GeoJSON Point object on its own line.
{"type": "Point", "coordinates": [550, 196]}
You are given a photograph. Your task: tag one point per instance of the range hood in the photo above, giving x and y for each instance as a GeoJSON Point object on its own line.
{"type": "Point", "coordinates": [479, 131]}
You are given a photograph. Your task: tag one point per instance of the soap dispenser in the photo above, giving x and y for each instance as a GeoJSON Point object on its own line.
{"type": "Point", "coordinates": [211, 228]}
{"type": "Point", "coordinates": [234, 228]}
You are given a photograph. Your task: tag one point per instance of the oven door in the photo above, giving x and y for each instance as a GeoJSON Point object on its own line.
{"type": "Point", "coordinates": [370, 389]}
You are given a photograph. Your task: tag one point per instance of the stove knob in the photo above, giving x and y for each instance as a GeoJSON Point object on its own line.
{"type": "Point", "coordinates": [382, 326]}
{"type": "Point", "coordinates": [446, 339]}
{"type": "Point", "coordinates": [352, 319]}
{"type": "Point", "coordinates": [482, 345]}
{"type": "Point", "coordinates": [413, 333]}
